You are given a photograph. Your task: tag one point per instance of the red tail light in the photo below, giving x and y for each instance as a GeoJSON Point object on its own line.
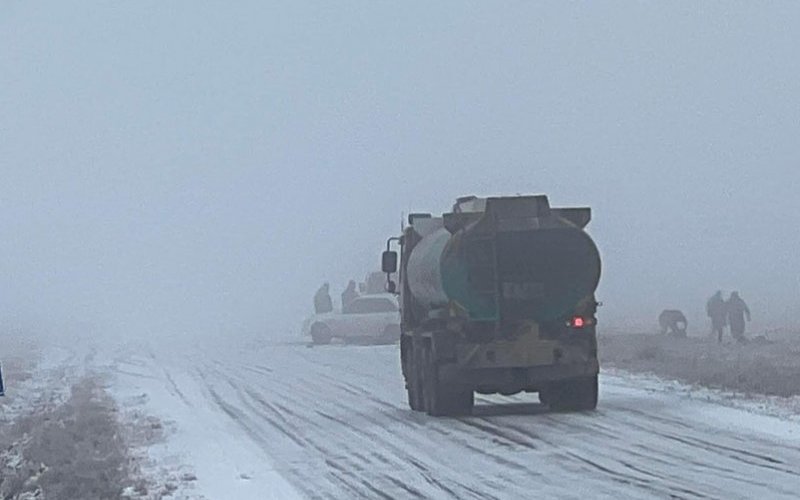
{"type": "Point", "coordinates": [579, 322]}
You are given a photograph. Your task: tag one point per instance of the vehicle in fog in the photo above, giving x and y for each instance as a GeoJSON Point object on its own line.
{"type": "Point", "coordinates": [497, 296]}
{"type": "Point", "coordinates": [367, 319]}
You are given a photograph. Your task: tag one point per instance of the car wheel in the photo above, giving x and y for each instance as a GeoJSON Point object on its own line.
{"type": "Point", "coordinates": [321, 333]}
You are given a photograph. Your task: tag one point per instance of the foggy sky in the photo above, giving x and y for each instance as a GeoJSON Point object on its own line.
{"type": "Point", "coordinates": [204, 166]}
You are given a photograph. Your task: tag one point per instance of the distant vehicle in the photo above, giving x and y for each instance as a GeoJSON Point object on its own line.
{"type": "Point", "coordinates": [497, 296]}
{"type": "Point", "coordinates": [367, 319]}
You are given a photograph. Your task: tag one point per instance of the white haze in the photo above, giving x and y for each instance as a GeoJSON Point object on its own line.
{"type": "Point", "coordinates": [202, 167]}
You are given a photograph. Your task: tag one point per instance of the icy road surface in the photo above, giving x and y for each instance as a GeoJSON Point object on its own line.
{"type": "Point", "coordinates": [281, 420]}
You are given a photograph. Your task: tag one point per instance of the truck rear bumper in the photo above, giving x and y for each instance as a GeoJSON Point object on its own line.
{"type": "Point", "coordinates": [512, 380]}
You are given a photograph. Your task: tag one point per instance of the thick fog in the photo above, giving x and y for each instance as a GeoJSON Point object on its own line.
{"type": "Point", "coordinates": [202, 167]}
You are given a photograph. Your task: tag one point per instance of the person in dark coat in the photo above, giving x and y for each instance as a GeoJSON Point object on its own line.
{"type": "Point", "coordinates": [349, 295]}
{"type": "Point", "coordinates": [716, 310]}
{"type": "Point", "coordinates": [322, 300]}
{"type": "Point", "coordinates": [737, 311]}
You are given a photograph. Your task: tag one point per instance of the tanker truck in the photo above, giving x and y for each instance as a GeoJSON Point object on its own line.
{"type": "Point", "coordinates": [497, 296]}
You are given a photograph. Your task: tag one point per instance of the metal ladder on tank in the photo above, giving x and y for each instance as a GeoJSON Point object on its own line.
{"type": "Point", "coordinates": [491, 288]}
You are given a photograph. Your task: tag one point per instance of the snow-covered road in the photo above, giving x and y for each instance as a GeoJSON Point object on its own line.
{"type": "Point", "coordinates": [278, 419]}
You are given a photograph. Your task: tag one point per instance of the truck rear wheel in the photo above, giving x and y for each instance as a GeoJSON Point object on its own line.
{"type": "Point", "coordinates": [414, 387]}
{"type": "Point", "coordinates": [440, 399]}
{"type": "Point", "coordinates": [578, 394]}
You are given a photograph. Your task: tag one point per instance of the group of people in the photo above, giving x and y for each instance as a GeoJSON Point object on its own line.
{"type": "Point", "coordinates": [723, 313]}
{"type": "Point", "coordinates": [731, 312]}
{"type": "Point", "coordinates": [323, 302]}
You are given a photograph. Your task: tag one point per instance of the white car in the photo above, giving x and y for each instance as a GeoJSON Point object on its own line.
{"type": "Point", "coordinates": [368, 318]}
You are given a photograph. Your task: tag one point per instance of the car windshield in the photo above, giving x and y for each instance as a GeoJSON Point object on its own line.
{"type": "Point", "coordinates": [370, 305]}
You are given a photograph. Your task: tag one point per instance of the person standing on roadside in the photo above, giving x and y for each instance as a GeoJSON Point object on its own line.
{"type": "Point", "coordinates": [716, 309]}
{"type": "Point", "coordinates": [322, 300]}
{"type": "Point", "coordinates": [349, 295]}
{"type": "Point", "coordinates": [737, 311]}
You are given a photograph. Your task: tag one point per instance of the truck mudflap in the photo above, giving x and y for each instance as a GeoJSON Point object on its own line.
{"type": "Point", "coordinates": [525, 351]}
{"type": "Point", "coordinates": [511, 380]}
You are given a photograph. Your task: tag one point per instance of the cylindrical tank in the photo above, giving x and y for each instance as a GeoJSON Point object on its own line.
{"type": "Point", "coordinates": [424, 271]}
{"type": "Point", "coordinates": [494, 271]}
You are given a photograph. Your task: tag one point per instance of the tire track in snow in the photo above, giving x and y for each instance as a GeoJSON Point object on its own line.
{"type": "Point", "coordinates": [356, 485]}
{"type": "Point", "coordinates": [499, 459]}
{"type": "Point", "coordinates": [352, 436]}
{"type": "Point", "coordinates": [300, 416]}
